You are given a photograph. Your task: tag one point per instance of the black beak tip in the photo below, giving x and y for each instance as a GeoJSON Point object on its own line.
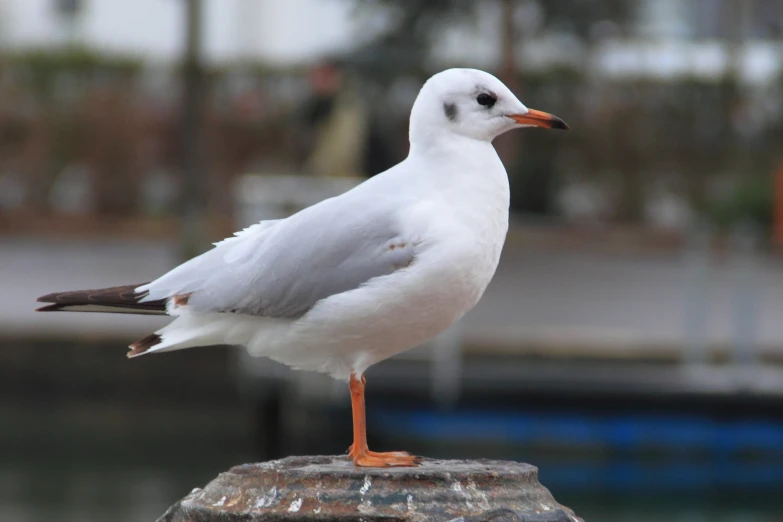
{"type": "Point", "coordinates": [559, 124]}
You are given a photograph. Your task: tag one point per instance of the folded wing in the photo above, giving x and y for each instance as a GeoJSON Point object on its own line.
{"type": "Point", "coordinates": [282, 268]}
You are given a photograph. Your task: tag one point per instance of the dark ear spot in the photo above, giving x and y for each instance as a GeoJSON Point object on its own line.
{"type": "Point", "coordinates": [450, 110]}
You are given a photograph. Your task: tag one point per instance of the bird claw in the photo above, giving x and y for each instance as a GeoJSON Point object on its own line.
{"type": "Point", "coordinates": [375, 459]}
{"type": "Point", "coordinates": [380, 454]}
{"type": "Point", "coordinates": [392, 459]}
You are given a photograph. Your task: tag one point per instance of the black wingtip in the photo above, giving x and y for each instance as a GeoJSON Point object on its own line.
{"type": "Point", "coordinates": [118, 299]}
{"type": "Point", "coordinates": [48, 298]}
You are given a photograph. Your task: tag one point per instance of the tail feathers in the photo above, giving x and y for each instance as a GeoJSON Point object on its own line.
{"type": "Point", "coordinates": [117, 299]}
{"type": "Point", "coordinates": [141, 347]}
{"type": "Point", "coordinates": [186, 331]}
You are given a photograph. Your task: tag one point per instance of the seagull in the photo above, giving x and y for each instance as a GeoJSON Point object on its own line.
{"type": "Point", "coordinates": [360, 277]}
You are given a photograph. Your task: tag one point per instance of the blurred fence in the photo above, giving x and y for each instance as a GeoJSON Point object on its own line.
{"type": "Point", "coordinates": [86, 133]}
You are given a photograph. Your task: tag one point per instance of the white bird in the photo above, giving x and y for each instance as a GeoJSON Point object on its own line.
{"type": "Point", "coordinates": [360, 277]}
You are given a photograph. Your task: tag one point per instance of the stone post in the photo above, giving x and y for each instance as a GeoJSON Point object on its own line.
{"type": "Point", "coordinates": [331, 488]}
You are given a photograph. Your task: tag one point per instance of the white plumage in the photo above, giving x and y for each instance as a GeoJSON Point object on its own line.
{"type": "Point", "coordinates": [360, 277]}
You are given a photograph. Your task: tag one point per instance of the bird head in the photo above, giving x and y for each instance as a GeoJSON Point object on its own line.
{"type": "Point", "coordinates": [474, 104]}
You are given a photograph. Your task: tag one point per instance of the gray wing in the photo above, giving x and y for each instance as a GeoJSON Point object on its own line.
{"type": "Point", "coordinates": [282, 268]}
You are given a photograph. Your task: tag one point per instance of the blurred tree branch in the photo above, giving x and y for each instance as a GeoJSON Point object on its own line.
{"type": "Point", "coordinates": [414, 26]}
{"type": "Point", "coordinates": [194, 200]}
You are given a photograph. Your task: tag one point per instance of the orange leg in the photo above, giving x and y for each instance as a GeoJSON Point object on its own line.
{"type": "Point", "coordinates": [359, 452]}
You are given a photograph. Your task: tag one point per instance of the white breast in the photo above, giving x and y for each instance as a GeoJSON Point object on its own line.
{"type": "Point", "coordinates": [459, 229]}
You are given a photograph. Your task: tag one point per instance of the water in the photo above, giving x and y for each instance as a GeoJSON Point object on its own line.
{"type": "Point", "coordinates": [57, 473]}
{"type": "Point", "coordinates": [87, 436]}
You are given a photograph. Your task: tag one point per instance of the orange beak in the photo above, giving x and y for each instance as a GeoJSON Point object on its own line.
{"type": "Point", "coordinates": [539, 119]}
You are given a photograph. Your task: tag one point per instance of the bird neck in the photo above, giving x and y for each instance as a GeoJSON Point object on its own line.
{"type": "Point", "coordinates": [431, 140]}
{"type": "Point", "coordinates": [442, 147]}
{"type": "Point", "coordinates": [463, 166]}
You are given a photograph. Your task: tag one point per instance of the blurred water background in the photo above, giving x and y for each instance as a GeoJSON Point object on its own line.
{"type": "Point", "coordinates": [630, 345]}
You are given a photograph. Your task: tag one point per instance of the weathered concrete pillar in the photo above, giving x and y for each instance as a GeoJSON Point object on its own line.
{"type": "Point", "coordinates": [331, 488]}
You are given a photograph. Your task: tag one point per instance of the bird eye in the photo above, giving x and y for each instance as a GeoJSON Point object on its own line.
{"type": "Point", "coordinates": [486, 100]}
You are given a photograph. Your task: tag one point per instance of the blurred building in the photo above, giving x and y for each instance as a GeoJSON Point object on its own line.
{"type": "Point", "coordinates": [301, 31]}
{"type": "Point", "coordinates": [296, 31]}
